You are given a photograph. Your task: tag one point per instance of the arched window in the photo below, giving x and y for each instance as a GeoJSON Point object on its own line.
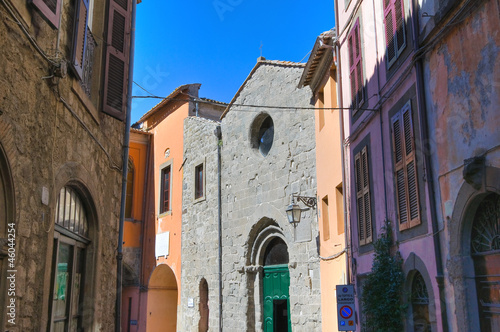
{"type": "Point", "coordinates": [420, 304]}
{"type": "Point", "coordinates": [276, 252]}
{"type": "Point", "coordinates": [130, 189]}
{"type": "Point", "coordinates": [68, 273]}
{"type": "Point", "coordinates": [485, 249]}
{"type": "Point", "coordinates": [203, 324]}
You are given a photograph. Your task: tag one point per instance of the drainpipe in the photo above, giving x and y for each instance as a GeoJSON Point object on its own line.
{"type": "Point", "coordinates": [126, 139]}
{"type": "Point", "coordinates": [424, 132]}
{"type": "Point", "coordinates": [218, 133]}
{"type": "Point", "coordinates": [340, 101]}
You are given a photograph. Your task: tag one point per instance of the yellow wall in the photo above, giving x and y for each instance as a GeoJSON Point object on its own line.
{"type": "Point", "coordinates": [329, 176]}
{"type": "Point", "coordinates": [162, 300]}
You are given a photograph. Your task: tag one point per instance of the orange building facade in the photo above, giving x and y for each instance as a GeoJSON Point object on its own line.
{"type": "Point", "coordinates": [157, 154]}
{"type": "Point", "coordinates": [320, 76]}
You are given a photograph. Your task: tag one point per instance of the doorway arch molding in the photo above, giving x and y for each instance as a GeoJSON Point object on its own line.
{"type": "Point", "coordinates": [460, 265]}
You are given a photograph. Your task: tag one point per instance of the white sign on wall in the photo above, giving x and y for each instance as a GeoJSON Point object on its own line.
{"type": "Point", "coordinates": [162, 244]}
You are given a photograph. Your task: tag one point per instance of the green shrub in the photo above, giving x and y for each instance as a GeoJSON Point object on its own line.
{"type": "Point", "coordinates": [383, 288]}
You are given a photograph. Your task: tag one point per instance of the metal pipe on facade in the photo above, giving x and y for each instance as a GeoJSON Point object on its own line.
{"type": "Point", "coordinates": [126, 141]}
{"type": "Point", "coordinates": [340, 101]}
{"type": "Point", "coordinates": [424, 132]}
{"type": "Point", "coordinates": [218, 134]}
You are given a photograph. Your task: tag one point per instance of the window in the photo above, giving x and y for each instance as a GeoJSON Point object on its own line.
{"type": "Point", "coordinates": [266, 136]}
{"type": "Point", "coordinates": [117, 58]}
{"type": "Point", "coordinates": [339, 195]}
{"type": "Point", "coordinates": [363, 197]}
{"type": "Point", "coordinates": [50, 9]}
{"type": "Point", "coordinates": [130, 189]}
{"type": "Point", "coordinates": [165, 178]}
{"type": "Point", "coordinates": [321, 111]}
{"type": "Point", "coordinates": [68, 272]}
{"type": "Point", "coordinates": [356, 66]}
{"type": "Point", "coordinates": [420, 304]}
{"type": "Point", "coordinates": [198, 182]}
{"type": "Point", "coordinates": [405, 169]}
{"type": "Point", "coordinates": [395, 36]}
{"type": "Point", "coordinates": [326, 222]}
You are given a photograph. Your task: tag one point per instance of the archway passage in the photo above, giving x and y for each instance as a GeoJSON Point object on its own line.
{"type": "Point", "coordinates": [485, 249]}
{"type": "Point", "coordinates": [162, 300]}
{"type": "Point", "coordinates": [276, 284]}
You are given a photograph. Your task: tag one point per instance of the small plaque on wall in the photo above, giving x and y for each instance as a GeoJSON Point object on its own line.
{"type": "Point", "coordinates": [190, 302]}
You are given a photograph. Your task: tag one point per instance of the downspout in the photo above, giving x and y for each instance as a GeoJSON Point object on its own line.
{"type": "Point", "coordinates": [126, 139]}
{"type": "Point", "coordinates": [424, 132]}
{"type": "Point", "coordinates": [144, 228]}
{"type": "Point", "coordinates": [218, 133]}
{"type": "Point", "coordinates": [340, 101]}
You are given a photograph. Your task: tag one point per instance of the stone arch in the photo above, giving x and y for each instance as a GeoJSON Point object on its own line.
{"type": "Point", "coordinates": [87, 244]}
{"type": "Point", "coordinates": [7, 216]}
{"type": "Point", "coordinates": [460, 264]}
{"type": "Point", "coordinates": [413, 266]}
{"type": "Point", "coordinates": [130, 278]}
{"type": "Point", "coordinates": [260, 236]}
{"type": "Point", "coordinates": [162, 299]}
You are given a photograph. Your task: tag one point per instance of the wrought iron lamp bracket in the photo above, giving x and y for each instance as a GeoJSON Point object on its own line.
{"type": "Point", "coordinates": [308, 201]}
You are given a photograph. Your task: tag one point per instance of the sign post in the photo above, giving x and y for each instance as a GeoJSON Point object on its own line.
{"type": "Point", "coordinates": [345, 308]}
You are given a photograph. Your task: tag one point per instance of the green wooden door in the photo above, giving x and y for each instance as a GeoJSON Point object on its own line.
{"type": "Point", "coordinates": [276, 285]}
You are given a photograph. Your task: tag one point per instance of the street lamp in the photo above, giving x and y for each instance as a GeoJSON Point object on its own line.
{"type": "Point", "coordinates": [293, 211]}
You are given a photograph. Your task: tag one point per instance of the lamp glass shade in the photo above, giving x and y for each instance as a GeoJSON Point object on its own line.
{"type": "Point", "coordinates": [293, 212]}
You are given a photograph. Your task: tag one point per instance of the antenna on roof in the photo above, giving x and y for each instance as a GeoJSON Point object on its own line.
{"type": "Point", "coordinates": [261, 46]}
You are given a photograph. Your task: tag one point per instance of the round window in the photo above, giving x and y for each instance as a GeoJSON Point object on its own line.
{"type": "Point", "coordinates": [265, 136]}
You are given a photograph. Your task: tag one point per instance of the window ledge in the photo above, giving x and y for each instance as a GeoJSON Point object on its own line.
{"type": "Point", "coordinates": [200, 199]}
{"type": "Point", "coordinates": [164, 214]}
{"type": "Point", "coordinates": [85, 100]}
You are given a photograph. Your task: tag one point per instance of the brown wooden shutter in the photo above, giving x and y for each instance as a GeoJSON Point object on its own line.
{"type": "Point", "coordinates": [405, 169]}
{"type": "Point", "coordinates": [356, 68]}
{"type": "Point", "coordinates": [117, 59]}
{"type": "Point", "coordinates": [50, 9]}
{"type": "Point", "coordinates": [363, 197]}
{"type": "Point", "coordinates": [400, 25]}
{"type": "Point", "coordinates": [395, 35]}
{"type": "Point", "coordinates": [80, 36]}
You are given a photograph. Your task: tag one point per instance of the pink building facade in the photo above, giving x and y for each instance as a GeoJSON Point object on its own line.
{"type": "Point", "coordinates": [419, 84]}
{"type": "Point", "coordinates": [384, 143]}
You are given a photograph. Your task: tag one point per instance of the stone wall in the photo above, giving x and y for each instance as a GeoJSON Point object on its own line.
{"type": "Point", "coordinates": [52, 135]}
{"type": "Point", "coordinates": [199, 225]}
{"type": "Point", "coordinates": [256, 191]}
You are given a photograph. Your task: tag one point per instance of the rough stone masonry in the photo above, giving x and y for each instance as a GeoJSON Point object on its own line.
{"type": "Point", "coordinates": [255, 191]}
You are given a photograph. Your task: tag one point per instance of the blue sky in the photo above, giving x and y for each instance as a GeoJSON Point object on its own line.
{"type": "Point", "coordinates": [216, 42]}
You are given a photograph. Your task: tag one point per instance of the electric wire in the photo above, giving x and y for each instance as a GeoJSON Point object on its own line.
{"type": "Point", "coordinates": [192, 98]}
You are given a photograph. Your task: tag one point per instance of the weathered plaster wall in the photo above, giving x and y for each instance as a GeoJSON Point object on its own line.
{"type": "Point", "coordinates": [462, 98]}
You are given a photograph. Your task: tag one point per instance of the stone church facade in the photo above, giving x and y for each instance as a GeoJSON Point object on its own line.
{"type": "Point", "coordinates": [268, 275]}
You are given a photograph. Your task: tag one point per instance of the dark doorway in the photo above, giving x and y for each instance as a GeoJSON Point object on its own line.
{"type": "Point", "coordinates": [280, 313]}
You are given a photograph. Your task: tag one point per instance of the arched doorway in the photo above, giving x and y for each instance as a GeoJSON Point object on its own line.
{"type": "Point", "coordinates": [420, 304]}
{"type": "Point", "coordinates": [7, 210]}
{"type": "Point", "coordinates": [162, 300]}
{"type": "Point", "coordinates": [485, 251]}
{"type": "Point", "coordinates": [276, 284]}
{"type": "Point", "coordinates": [203, 306]}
